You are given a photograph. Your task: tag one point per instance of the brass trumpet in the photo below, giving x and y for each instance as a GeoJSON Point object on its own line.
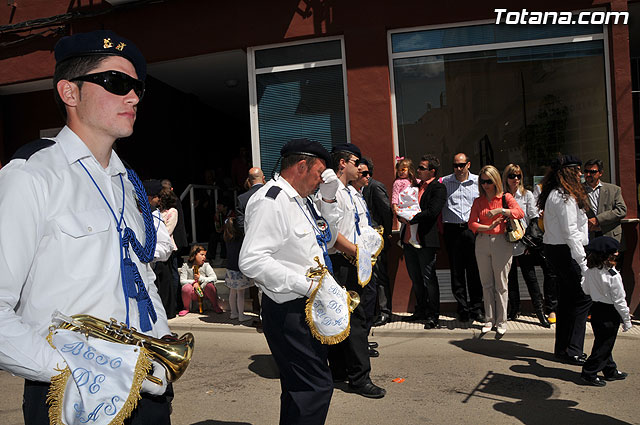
{"type": "Point", "coordinates": [173, 355]}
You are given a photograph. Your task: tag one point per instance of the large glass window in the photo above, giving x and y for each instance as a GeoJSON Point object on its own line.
{"type": "Point", "coordinates": [299, 91]}
{"type": "Point", "coordinates": [523, 104]}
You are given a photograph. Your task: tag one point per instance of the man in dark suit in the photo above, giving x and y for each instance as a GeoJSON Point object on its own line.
{"type": "Point", "coordinates": [605, 199]}
{"type": "Point", "coordinates": [421, 262]}
{"type": "Point", "coordinates": [256, 180]}
{"type": "Point", "coordinates": [377, 199]}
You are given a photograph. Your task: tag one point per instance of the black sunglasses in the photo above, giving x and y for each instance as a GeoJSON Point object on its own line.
{"type": "Point", "coordinates": [114, 82]}
{"type": "Point", "coordinates": [515, 176]}
{"type": "Point", "coordinates": [591, 171]}
{"type": "Point", "coordinates": [488, 181]}
{"type": "Point", "coordinates": [366, 173]}
{"type": "Point", "coordinates": [422, 168]}
{"type": "Point", "coordinates": [459, 164]}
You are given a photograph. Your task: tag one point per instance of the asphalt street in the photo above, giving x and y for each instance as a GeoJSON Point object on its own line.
{"type": "Point", "coordinates": [450, 377]}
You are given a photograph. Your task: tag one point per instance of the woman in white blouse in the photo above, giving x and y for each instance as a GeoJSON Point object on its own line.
{"type": "Point", "coordinates": [512, 177]}
{"type": "Point", "coordinates": [564, 201]}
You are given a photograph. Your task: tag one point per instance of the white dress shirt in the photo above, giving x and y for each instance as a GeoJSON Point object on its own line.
{"type": "Point", "coordinates": [346, 221]}
{"type": "Point", "coordinates": [566, 224]}
{"type": "Point", "coordinates": [606, 288]}
{"type": "Point", "coordinates": [527, 203]}
{"type": "Point", "coordinates": [280, 243]}
{"type": "Point", "coordinates": [60, 250]}
{"type": "Point", "coordinates": [460, 197]}
{"type": "Point", "coordinates": [594, 196]}
{"type": "Point", "coordinates": [164, 243]}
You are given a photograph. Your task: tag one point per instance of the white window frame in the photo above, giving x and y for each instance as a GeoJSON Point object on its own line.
{"type": "Point", "coordinates": [505, 45]}
{"type": "Point", "coordinates": [253, 94]}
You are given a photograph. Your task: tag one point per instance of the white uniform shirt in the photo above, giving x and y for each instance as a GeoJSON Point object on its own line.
{"type": "Point", "coordinates": [361, 206]}
{"type": "Point", "coordinates": [346, 224]}
{"type": "Point", "coordinates": [566, 224]}
{"type": "Point", "coordinates": [602, 287]}
{"type": "Point", "coordinates": [280, 243]}
{"type": "Point", "coordinates": [59, 250]}
{"type": "Point", "coordinates": [164, 244]}
{"type": "Point", "coordinates": [460, 197]}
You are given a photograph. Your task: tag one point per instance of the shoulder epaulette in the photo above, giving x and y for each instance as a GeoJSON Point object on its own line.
{"type": "Point", "coordinates": [273, 192]}
{"type": "Point", "coordinates": [613, 272]}
{"type": "Point", "coordinates": [25, 152]}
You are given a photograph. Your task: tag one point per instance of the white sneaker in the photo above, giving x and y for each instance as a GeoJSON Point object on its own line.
{"type": "Point", "coordinates": [487, 327]}
{"type": "Point", "coordinates": [502, 329]}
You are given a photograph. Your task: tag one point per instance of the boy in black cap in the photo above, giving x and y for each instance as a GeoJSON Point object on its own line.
{"type": "Point", "coordinates": [603, 283]}
{"type": "Point", "coordinates": [79, 228]}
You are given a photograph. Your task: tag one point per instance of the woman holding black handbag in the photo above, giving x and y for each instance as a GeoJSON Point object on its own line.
{"type": "Point", "coordinates": [488, 219]}
{"type": "Point", "coordinates": [524, 256]}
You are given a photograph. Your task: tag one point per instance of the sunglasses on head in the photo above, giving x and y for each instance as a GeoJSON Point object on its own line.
{"type": "Point", "coordinates": [515, 176]}
{"type": "Point", "coordinates": [459, 164]}
{"type": "Point", "coordinates": [591, 171]}
{"type": "Point", "coordinates": [488, 181]}
{"type": "Point", "coordinates": [114, 82]}
{"type": "Point", "coordinates": [365, 173]}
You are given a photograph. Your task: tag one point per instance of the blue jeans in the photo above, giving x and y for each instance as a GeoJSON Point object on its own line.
{"type": "Point", "coordinates": [421, 266]}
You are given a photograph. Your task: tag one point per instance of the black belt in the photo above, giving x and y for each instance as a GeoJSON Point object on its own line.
{"type": "Point", "coordinates": [460, 225]}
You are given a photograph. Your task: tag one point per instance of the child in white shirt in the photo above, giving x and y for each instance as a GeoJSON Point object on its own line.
{"type": "Point", "coordinates": [602, 282]}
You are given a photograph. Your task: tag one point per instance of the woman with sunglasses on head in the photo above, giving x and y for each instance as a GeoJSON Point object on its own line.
{"type": "Point", "coordinates": [488, 220]}
{"type": "Point", "coordinates": [564, 202]}
{"type": "Point", "coordinates": [525, 258]}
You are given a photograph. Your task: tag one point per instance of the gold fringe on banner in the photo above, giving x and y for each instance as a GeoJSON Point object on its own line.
{"type": "Point", "coordinates": [329, 340]}
{"type": "Point", "coordinates": [59, 384]}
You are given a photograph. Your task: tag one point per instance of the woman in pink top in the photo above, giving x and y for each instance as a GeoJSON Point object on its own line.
{"type": "Point", "coordinates": [493, 252]}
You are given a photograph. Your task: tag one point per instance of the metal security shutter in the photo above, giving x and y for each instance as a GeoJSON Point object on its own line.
{"type": "Point", "coordinates": [303, 103]}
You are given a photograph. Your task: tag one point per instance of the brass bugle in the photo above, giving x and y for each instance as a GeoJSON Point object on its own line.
{"type": "Point", "coordinates": [173, 355]}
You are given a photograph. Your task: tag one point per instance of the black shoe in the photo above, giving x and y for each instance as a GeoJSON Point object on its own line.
{"type": "Point", "coordinates": [463, 317]}
{"type": "Point", "coordinates": [381, 320]}
{"type": "Point", "coordinates": [616, 376]}
{"type": "Point", "coordinates": [583, 356]}
{"type": "Point", "coordinates": [543, 319]}
{"type": "Point", "coordinates": [572, 360]}
{"type": "Point", "coordinates": [593, 380]}
{"type": "Point", "coordinates": [373, 344]}
{"type": "Point", "coordinates": [514, 315]}
{"type": "Point", "coordinates": [373, 352]}
{"type": "Point", "coordinates": [369, 390]}
{"type": "Point", "coordinates": [479, 317]}
{"type": "Point", "coordinates": [415, 317]}
{"type": "Point", "coordinates": [431, 324]}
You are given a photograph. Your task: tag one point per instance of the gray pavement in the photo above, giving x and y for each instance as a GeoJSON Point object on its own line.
{"type": "Point", "coordinates": [450, 377]}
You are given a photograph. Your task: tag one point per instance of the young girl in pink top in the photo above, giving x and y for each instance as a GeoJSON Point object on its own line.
{"type": "Point", "coordinates": [404, 198]}
{"type": "Point", "coordinates": [493, 252]}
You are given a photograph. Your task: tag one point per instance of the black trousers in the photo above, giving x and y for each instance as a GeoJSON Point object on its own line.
{"type": "Point", "coordinates": [165, 284]}
{"type": "Point", "coordinates": [605, 322]}
{"type": "Point", "coordinates": [527, 264]}
{"type": "Point", "coordinates": [305, 378]}
{"type": "Point", "coordinates": [573, 303]}
{"type": "Point", "coordinates": [350, 358]}
{"type": "Point", "coordinates": [151, 410]}
{"type": "Point", "coordinates": [550, 284]}
{"type": "Point", "coordinates": [421, 266]}
{"type": "Point", "coordinates": [460, 242]}
{"type": "Point", "coordinates": [382, 282]}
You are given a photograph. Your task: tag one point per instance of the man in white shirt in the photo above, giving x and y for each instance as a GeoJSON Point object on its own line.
{"type": "Point", "coordinates": [283, 234]}
{"type": "Point", "coordinates": [65, 205]}
{"type": "Point", "coordinates": [462, 189]}
{"type": "Point", "coordinates": [349, 359]}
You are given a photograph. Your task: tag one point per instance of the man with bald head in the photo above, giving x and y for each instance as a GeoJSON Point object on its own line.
{"type": "Point", "coordinates": [256, 180]}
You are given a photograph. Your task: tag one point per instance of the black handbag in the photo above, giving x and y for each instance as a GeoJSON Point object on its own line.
{"type": "Point", "coordinates": [532, 238]}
